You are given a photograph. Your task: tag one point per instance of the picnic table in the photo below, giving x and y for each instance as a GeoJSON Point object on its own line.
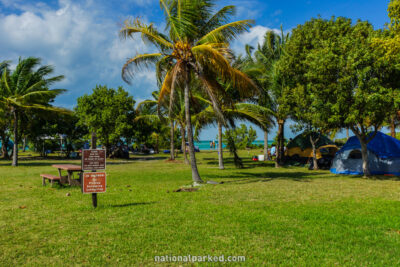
{"type": "Point", "coordinates": [70, 168]}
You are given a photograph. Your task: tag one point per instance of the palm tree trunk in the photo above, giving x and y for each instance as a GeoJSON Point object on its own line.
{"type": "Point", "coordinates": [266, 156]}
{"type": "Point", "coordinates": [220, 156]}
{"type": "Point", "coordinates": [347, 133]}
{"type": "Point", "coordinates": [184, 144]}
{"type": "Point", "coordinates": [195, 173]}
{"type": "Point", "coordinates": [172, 152]}
{"type": "Point", "coordinates": [279, 144]}
{"type": "Point", "coordinates": [15, 149]}
{"type": "Point", "coordinates": [282, 144]}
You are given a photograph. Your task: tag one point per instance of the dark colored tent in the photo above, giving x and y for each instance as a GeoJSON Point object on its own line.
{"type": "Point", "coordinates": [383, 156]}
{"type": "Point", "coordinates": [299, 150]}
{"type": "Point", "coordinates": [303, 141]}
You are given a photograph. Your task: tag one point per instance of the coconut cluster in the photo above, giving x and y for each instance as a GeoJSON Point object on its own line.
{"type": "Point", "coordinates": [182, 51]}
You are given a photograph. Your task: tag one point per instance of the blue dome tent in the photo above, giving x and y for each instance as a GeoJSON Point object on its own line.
{"type": "Point", "coordinates": [383, 156]}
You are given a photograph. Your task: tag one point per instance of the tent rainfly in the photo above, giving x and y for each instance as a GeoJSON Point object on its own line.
{"type": "Point", "coordinates": [383, 156]}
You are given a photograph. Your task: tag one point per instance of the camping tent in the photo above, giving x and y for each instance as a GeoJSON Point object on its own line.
{"type": "Point", "coordinates": [383, 156]}
{"type": "Point", "coordinates": [300, 149]}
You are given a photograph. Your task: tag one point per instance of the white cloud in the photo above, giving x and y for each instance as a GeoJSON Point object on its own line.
{"type": "Point", "coordinates": [254, 37]}
{"type": "Point", "coordinates": [77, 39]}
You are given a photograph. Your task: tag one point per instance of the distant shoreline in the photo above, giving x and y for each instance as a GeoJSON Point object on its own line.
{"type": "Point", "coordinates": [205, 144]}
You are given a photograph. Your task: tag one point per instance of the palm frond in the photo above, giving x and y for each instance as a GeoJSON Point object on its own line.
{"type": "Point", "coordinates": [145, 103]}
{"type": "Point", "coordinates": [227, 32]}
{"type": "Point", "coordinates": [52, 92]}
{"type": "Point", "coordinates": [171, 21]}
{"type": "Point", "coordinates": [219, 18]}
{"type": "Point", "coordinates": [147, 118]}
{"type": "Point", "coordinates": [214, 60]}
{"type": "Point", "coordinates": [162, 66]}
{"type": "Point", "coordinates": [165, 88]}
{"type": "Point", "coordinates": [256, 114]}
{"type": "Point", "coordinates": [148, 33]}
{"type": "Point", "coordinates": [136, 62]}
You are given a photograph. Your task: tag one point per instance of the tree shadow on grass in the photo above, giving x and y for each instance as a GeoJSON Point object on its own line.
{"type": "Point", "coordinates": [251, 180]}
{"type": "Point", "coordinates": [247, 163]}
{"type": "Point", "coordinates": [132, 204]}
{"type": "Point", "coordinates": [30, 164]}
{"type": "Point", "coordinates": [148, 158]}
{"type": "Point", "coordinates": [268, 176]}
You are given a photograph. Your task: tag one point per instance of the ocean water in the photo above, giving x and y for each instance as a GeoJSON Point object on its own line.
{"type": "Point", "coordinates": [205, 145]}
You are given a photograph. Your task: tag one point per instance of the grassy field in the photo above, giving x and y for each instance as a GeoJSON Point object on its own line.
{"type": "Point", "coordinates": [287, 216]}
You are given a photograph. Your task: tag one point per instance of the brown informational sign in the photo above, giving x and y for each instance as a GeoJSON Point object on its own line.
{"type": "Point", "coordinates": [93, 159]}
{"type": "Point", "coordinates": [94, 182]}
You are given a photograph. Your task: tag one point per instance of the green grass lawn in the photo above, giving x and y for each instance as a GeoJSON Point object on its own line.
{"type": "Point", "coordinates": [287, 216]}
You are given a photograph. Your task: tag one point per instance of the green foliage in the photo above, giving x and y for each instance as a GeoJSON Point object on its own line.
{"type": "Point", "coordinates": [263, 68]}
{"type": "Point", "coordinates": [44, 131]}
{"type": "Point", "coordinates": [334, 79]}
{"type": "Point", "coordinates": [241, 136]}
{"type": "Point", "coordinates": [27, 88]}
{"type": "Point", "coordinates": [109, 113]}
{"type": "Point", "coordinates": [389, 42]}
{"type": "Point", "coordinates": [394, 15]}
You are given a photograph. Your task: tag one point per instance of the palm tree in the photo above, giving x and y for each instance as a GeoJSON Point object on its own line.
{"type": "Point", "coordinates": [261, 116]}
{"type": "Point", "coordinates": [27, 88]}
{"type": "Point", "coordinates": [149, 111]}
{"type": "Point", "coordinates": [262, 67]}
{"type": "Point", "coordinates": [196, 46]}
{"type": "Point", "coordinates": [152, 112]}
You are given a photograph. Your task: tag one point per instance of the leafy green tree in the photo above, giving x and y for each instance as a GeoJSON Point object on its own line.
{"type": "Point", "coordinates": [242, 136]}
{"type": "Point", "coordinates": [26, 88]}
{"type": "Point", "coordinates": [196, 46]}
{"type": "Point", "coordinates": [109, 113]}
{"type": "Point", "coordinates": [333, 60]}
{"type": "Point", "coordinates": [309, 120]}
{"type": "Point", "coordinates": [389, 44]}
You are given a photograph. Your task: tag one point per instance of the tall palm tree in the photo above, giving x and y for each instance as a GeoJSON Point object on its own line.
{"type": "Point", "coordinates": [262, 67]}
{"type": "Point", "coordinates": [195, 46]}
{"type": "Point", "coordinates": [27, 87]}
{"type": "Point", "coordinates": [261, 116]}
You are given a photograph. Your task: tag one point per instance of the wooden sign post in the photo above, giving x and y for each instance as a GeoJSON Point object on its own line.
{"type": "Point", "coordinates": [93, 182]}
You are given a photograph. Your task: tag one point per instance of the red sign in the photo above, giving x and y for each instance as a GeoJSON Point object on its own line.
{"type": "Point", "coordinates": [94, 182]}
{"type": "Point", "coordinates": [93, 159]}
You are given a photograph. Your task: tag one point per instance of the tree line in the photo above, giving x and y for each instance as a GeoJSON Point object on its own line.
{"type": "Point", "coordinates": [325, 75]}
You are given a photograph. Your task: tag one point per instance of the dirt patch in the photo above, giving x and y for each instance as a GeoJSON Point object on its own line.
{"type": "Point", "coordinates": [189, 189]}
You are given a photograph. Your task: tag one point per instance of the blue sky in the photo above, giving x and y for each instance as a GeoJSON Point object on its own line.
{"type": "Point", "coordinates": [80, 37]}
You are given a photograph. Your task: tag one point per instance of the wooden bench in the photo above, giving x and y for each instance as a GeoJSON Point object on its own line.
{"type": "Point", "coordinates": [51, 178]}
